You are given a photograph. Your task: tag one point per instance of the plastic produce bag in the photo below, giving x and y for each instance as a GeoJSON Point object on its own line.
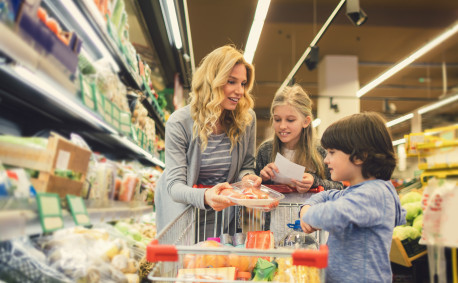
{"type": "Point", "coordinates": [21, 262]}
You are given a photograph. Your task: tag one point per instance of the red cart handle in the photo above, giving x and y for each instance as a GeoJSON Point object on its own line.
{"type": "Point", "coordinates": [156, 252]}
{"type": "Point", "coordinates": [284, 189]}
{"type": "Point", "coordinates": [316, 258]}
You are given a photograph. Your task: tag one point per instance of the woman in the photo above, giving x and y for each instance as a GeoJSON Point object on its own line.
{"type": "Point", "coordinates": [211, 141]}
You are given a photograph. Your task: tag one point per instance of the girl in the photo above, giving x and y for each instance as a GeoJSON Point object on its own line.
{"type": "Point", "coordinates": [291, 116]}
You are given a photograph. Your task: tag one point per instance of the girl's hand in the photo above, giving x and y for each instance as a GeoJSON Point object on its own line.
{"type": "Point", "coordinates": [305, 184]}
{"type": "Point", "coordinates": [267, 173]}
{"type": "Point", "coordinates": [215, 200]}
{"type": "Point", "coordinates": [305, 226]}
{"type": "Point", "coordinates": [255, 179]}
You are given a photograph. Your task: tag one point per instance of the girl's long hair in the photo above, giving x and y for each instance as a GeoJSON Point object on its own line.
{"type": "Point", "coordinates": [306, 153]}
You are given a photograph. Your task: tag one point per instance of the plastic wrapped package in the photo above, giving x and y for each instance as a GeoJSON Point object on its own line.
{"type": "Point", "coordinates": [21, 262]}
{"type": "Point", "coordinates": [98, 257]}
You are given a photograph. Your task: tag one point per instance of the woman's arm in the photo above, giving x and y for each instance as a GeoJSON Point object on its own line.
{"type": "Point", "coordinates": [249, 158]}
{"type": "Point", "coordinates": [177, 142]}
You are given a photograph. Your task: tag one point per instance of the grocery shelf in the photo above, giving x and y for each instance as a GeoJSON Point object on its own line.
{"type": "Point", "coordinates": [31, 98]}
{"type": "Point", "coordinates": [88, 10]}
{"type": "Point", "coordinates": [19, 217]}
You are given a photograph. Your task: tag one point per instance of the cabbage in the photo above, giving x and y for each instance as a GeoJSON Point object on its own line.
{"type": "Point", "coordinates": [410, 197]}
{"type": "Point", "coordinates": [413, 210]}
{"type": "Point", "coordinates": [406, 232]}
{"type": "Point", "coordinates": [418, 223]}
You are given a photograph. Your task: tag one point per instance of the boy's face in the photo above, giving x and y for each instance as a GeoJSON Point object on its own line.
{"type": "Point", "coordinates": [342, 169]}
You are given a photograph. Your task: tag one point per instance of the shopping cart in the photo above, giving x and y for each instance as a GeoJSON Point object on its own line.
{"type": "Point", "coordinates": [177, 241]}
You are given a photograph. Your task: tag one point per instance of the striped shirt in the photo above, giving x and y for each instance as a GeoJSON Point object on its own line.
{"type": "Point", "coordinates": [216, 160]}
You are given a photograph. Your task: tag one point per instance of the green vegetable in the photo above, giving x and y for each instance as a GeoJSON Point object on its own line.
{"type": "Point", "coordinates": [122, 227]}
{"type": "Point", "coordinates": [418, 223]}
{"type": "Point", "coordinates": [413, 210]}
{"type": "Point", "coordinates": [406, 232]}
{"type": "Point", "coordinates": [411, 197]}
{"type": "Point", "coordinates": [264, 270]}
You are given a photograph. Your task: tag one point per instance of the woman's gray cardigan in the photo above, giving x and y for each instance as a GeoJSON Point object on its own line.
{"type": "Point", "coordinates": [183, 157]}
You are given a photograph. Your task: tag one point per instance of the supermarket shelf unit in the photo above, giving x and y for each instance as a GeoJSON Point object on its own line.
{"type": "Point", "coordinates": [36, 95]}
{"type": "Point", "coordinates": [48, 98]}
{"type": "Point", "coordinates": [19, 217]}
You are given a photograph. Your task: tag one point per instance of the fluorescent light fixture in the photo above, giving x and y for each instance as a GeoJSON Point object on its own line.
{"type": "Point", "coordinates": [316, 122]}
{"type": "Point", "coordinates": [409, 59]}
{"type": "Point", "coordinates": [398, 142]}
{"type": "Point", "coordinates": [438, 104]}
{"type": "Point", "coordinates": [172, 12]}
{"type": "Point", "coordinates": [256, 28]}
{"type": "Point", "coordinates": [399, 120]}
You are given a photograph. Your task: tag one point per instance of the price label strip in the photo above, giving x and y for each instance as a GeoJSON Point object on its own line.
{"type": "Point", "coordinates": [50, 211]}
{"type": "Point", "coordinates": [78, 210]}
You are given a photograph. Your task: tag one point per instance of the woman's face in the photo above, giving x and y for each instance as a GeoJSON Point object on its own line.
{"type": "Point", "coordinates": [288, 124]}
{"type": "Point", "coordinates": [234, 89]}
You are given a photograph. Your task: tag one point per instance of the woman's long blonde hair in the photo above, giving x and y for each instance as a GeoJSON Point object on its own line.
{"type": "Point", "coordinates": [306, 153]}
{"type": "Point", "coordinates": [207, 95]}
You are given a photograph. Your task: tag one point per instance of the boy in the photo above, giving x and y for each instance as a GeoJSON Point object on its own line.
{"type": "Point", "coordinates": [360, 219]}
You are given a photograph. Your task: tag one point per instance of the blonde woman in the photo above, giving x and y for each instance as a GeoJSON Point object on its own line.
{"type": "Point", "coordinates": [211, 141]}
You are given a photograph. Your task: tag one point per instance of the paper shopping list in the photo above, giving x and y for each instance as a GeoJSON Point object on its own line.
{"type": "Point", "coordinates": [288, 170]}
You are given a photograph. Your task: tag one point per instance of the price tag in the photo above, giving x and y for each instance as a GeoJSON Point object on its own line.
{"type": "Point", "coordinates": [49, 211]}
{"type": "Point", "coordinates": [78, 210]}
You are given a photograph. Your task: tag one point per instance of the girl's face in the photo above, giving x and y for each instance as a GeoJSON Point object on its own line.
{"type": "Point", "coordinates": [342, 169]}
{"type": "Point", "coordinates": [234, 89]}
{"type": "Point", "coordinates": [288, 124]}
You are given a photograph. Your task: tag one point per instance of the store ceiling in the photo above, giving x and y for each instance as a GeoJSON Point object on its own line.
{"type": "Point", "coordinates": [394, 29]}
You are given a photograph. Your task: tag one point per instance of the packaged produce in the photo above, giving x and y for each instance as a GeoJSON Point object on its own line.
{"type": "Point", "coordinates": [264, 270]}
{"type": "Point", "coordinates": [245, 194]}
{"type": "Point", "coordinates": [206, 260]}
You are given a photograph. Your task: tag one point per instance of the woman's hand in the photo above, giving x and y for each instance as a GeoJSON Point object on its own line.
{"type": "Point", "coordinates": [253, 178]}
{"type": "Point", "coordinates": [305, 226]}
{"type": "Point", "coordinates": [305, 184]}
{"type": "Point", "coordinates": [215, 200]}
{"type": "Point", "coordinates": [267, 173]}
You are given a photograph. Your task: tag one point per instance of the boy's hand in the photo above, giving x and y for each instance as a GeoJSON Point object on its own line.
{"type": "Point", "coordinates": [306, 227]}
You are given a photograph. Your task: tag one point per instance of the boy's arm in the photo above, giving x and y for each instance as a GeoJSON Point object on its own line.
{"type": "Point", "coordinates": [363, 208]}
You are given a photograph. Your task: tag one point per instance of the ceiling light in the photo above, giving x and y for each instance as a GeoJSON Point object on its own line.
{"type": "Point", "coordinates": [316, 122]}
{"type": "Point", "coordinates": [355, 13]}
{"type": "Point", "coordinates": [438, 104]}
{"type": "Point", "coordinates": [399, 120]}
{"type": "Point", "coordinates": [173, 26]}
{"type": "Point", "coordinates": [409, 59]}
{"type": "Point", "coordinates": [256, 28]}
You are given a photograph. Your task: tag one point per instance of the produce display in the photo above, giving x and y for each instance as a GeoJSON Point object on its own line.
{"type": "Point", "coordinates": [411, 201]}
